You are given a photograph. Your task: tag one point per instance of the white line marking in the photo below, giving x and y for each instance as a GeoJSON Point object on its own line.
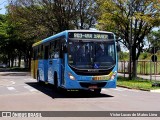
{"type": "Point", "coordinates": [12, 82]}
{"type": "Point", "coordinates": [120, 89]}
{"type": "Point", "coordinates": [30, 88]}
{"type": "Point", "coordinates": [11, 88]}
{"type": "Point", "coordinates": [157, 91]}
{"type": "Point", "coordinates": [29, 79]}
{"type": "Point", "coordinates": [104, 90]}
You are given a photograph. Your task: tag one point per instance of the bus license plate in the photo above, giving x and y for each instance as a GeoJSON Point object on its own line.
{"type": "Point", "coordinates": [93, 86]}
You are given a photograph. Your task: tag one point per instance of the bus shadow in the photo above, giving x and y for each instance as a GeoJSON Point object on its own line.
{"type": "Point", "coordinates": [48, 90]}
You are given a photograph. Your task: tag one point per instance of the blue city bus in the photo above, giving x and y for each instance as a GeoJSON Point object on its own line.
{"type": "Point", "coordinates": [76, 59]}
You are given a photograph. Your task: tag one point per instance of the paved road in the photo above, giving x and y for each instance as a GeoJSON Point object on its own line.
{"type": "Point", "coordinates": [19, 92]}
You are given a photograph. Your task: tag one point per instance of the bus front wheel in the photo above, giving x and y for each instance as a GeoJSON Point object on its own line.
{"type": "Point", "coordinates": [97, 91]}
{"type": "Point", "coordinates": [55, 81]}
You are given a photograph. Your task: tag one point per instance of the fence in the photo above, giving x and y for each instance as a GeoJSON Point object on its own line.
{"type": "Point", "coordinates": [143, 67]}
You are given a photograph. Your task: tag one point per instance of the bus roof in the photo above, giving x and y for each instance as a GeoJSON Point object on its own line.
{"type": "Point", "coordinates": [88, 31]}
{"type": "Point", "coordinates": [64, 33]}
{"type": "Point", "coordinates": [49, 38]}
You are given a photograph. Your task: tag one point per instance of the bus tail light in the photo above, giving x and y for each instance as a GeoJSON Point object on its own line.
{"type": "Point", "coordinates": [71, 76]}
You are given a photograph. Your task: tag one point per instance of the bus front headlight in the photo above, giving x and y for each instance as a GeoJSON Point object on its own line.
{"type": "Point", "coordinates": [71, 76]}
{"type": "Point", "coordinates": [113, 75]}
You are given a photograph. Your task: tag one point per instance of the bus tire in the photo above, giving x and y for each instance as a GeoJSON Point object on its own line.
{"type": "Point", "coordinates": [97, 91]}
{"type": "Point", "coordinates": [38, 78]}
{"type": "Point", "coordinates": [55, 81]}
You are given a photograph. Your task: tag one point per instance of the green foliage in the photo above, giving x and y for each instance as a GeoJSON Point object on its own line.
{"type": "Point", "coordinates": [40, 19]}
{"type": "Point", "coordinates": [116, 15]}
{"type": "Point", "coordinates": [3, 38]}
{"type": "Point", "coordinates": [131, 21]}
{"type": "Point", "coordinates": [144, 55]}
{"type": "Point", "coordinates": [30, 21]}
{"type": "Point", "coordinates": [136, 84]}
{"type": "Point", "coordinates": [10, 43]}
{"type": "Point", "coordinates": [154, 39]}
{"type": "Point", "coordinates": [3, 26]}
{"type": "Point", "coordinates": [123, 56]}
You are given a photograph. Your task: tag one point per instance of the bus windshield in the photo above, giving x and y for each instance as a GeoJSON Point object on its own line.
{"type": "Point", "coordinates": [97, 54]}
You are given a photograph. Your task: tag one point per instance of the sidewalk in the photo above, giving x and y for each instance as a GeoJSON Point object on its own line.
{"type": "Point", "coordinates": [15, 73]}
{"type": "Point", "coordinates": [148, 77]}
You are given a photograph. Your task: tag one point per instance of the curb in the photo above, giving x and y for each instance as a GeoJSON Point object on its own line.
{"type": "Point", "coordinates": [14, 73]}
{"type": "Point", "coordinates": [133, 88]}
{"type": "Point", "coordinates": [155, 91]}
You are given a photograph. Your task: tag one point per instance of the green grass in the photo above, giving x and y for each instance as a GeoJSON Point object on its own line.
{"type": "Point", "coordinates": [136, 84]}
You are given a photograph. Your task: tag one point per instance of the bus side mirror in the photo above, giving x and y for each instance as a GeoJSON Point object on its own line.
{"type": "Point", "coordinates": [118, 47]}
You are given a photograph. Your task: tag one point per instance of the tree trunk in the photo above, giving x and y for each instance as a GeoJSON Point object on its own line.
{"type": "Point", "coordinates": [134, 69]}
{"type": "Point", "coordinates": [8, 61]}
{"type": "Point", "coordinates": [12, 62]}
{"type": "Point", "coordinates": [19, 59]}
{"type": "Point", "coordinates": [134, 63]}
{"type": "Point", "coordinates": [25, 61]}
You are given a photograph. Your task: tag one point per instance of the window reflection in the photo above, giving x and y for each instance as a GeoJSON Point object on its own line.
{"type": "Point", "coordinates": [91, 55]}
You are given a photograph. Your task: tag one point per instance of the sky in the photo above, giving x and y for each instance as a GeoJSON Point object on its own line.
{"type": "Point", "coordinates": [3, 3]}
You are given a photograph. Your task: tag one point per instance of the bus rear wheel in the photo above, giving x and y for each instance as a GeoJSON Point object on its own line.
{"type": "Point", "coordinates": [38, 79]}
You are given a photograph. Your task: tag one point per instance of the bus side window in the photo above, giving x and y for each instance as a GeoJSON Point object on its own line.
{"type": "Point", "coordinates": [42, 51]}
{"type": "Point", "coordinates": [57, 49]}
{"type": "Point", "coordinates": [62, 47]}
{"type": "Point", "coordinates": [46, 52]}
{"type": "Point", "coordinates": [51, 49]}
{"type": "Point", "coordinates": [39, 52]}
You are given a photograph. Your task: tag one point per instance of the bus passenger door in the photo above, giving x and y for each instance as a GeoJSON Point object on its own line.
{"type": "Point", "coordinates": [62, 56]}
{"type": "Point", "coordinates": [50, 62]}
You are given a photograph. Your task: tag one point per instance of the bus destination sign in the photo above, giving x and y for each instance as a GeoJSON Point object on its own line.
{"type": "Point", "coordinates": [85, 35]}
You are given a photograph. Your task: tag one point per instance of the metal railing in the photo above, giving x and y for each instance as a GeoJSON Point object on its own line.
{"type": "Point", "coordinates": [143, 67]}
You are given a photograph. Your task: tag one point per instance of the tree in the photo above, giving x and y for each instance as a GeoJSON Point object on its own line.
{"type": "Point", "coordinates": [85, 16]}
{"type": "Point", "coordinates": [131, 21]}
{"type": "Point", "coordinates": [7, 43]}
{"type": "Point", "coordinates": [123, 56]}
{"type": "Point", "coordinates": [15, 44]}
{"type": "Point", "coordinates": [35, 20]}
{"type": "Point", "coordinates": [154, 39]}
{"type": "Point", "coordinates": [53, 16]}
{"type": "Point", "coordinates": [3, 37]}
